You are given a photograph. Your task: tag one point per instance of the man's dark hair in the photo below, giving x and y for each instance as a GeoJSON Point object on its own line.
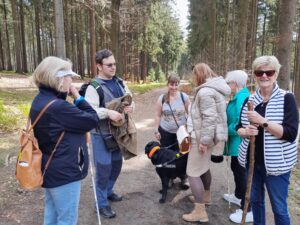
{"type": "Point", "coordinates": [102, 54]}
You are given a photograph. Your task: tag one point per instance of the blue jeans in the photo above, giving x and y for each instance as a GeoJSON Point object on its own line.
{"type": "Point", "coordinates": [61, 204]}
{"type": "Point", "coordinates": [107, 166]}
{"type": "Point", "coordinates": [277, 187]}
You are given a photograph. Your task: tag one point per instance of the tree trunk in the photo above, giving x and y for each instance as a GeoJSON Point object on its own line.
{"type": "Point", "coordinates": [297, 69]}
{"type": "Point", "coordinates": [1, 51]}
{"type": "Point", "coordinates": [213, 33]}
{"type": "Point", "coordinates": [79, 30]}
{"type": "Point", "coordinates": [8, 54]}
{"type": "Point", "coordinates": [263, 35]}
{"type": "Point", "coordinates": [286, 19]}
{"type": "Point", "coordinates": [93, 39]}
{"type": "Point", "coordinates": [242, 33]}
{"type": "Point", "coordinates": [115, 33]}
{"type": "Point", "coordinates": [37, 8]}
{"type": "Point", "coordinates": [251, 34]}
{"type": "Point", "coordinates": [16, 23]}
{"type": "Point", "coordinates": [59, 29]}
{"type": "Point", "coordinates": [23, 43]}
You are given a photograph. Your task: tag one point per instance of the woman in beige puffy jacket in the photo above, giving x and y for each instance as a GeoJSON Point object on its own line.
{"type": "Point", "coordinates": [207, 124]}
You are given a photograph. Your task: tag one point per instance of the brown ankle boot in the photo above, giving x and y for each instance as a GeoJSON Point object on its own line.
{"type": "Point", "coordinates": [207, 197]}
{"type": "Point", "coordinates": [198, 214]}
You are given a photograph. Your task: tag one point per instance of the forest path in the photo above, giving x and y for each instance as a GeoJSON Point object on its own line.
{"type": "Point", "coordinates": [138, 183]}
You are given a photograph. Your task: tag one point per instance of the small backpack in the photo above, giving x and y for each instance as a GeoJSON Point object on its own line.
{"type": "Point", "coordinates": [29, 161]}
{"type": "Point", "coordinates": [98, 88]}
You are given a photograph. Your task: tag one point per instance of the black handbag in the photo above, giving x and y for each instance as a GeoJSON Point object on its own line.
{"type": "Point", "coordinates": [110, 142]}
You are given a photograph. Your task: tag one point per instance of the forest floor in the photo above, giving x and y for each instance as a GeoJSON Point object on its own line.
{"type": "Point", "coordinates": [138, 183]}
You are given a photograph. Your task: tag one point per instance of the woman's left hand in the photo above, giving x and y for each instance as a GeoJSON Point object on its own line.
{"type": "Point", "coordinates": [255, 118]}
{"type": "Point", "coordinates": [202, 148]}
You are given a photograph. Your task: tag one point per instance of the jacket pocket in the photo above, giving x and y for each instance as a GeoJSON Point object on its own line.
{"type": "Point", "coordinates": [80, 158]}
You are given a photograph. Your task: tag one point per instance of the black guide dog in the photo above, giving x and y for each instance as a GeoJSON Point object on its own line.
{"type": "Point", "coordinates": [169, 165]}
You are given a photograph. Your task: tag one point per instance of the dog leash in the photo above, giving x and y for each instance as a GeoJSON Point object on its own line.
{"type": "Point", "coordinates": [167, 164]}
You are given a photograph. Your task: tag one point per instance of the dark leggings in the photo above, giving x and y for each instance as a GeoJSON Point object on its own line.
{"type": "Point", "coordinates": [199, 185]}
{"type": "Point", "coordinates": [168, 139]}
{"type": "Point", "coordinates": [240, 180]}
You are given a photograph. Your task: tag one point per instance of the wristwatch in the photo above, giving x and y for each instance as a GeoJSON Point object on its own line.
{"type": "Point", "coordinates": [265, 124]}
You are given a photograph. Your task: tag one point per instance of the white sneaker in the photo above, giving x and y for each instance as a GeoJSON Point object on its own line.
{"type": "Point", "coordinates": [237, 216]}
{"type": "Point", "coordinates": [232, 199]}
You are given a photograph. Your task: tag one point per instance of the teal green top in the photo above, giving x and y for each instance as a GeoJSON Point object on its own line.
{"type": "Point", "coordinates": [233, 112]}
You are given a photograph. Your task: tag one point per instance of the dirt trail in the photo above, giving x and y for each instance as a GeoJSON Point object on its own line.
{"type": "Point", "coordinates": [138, 183]}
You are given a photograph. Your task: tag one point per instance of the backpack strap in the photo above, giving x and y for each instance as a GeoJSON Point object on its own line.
{"type": "Point", "coordinates": [181, 95]}
{"type": "Point", "coordinates": [54, 150]}
{"type": "Point", "coordinates": [39, 116]}
{"type": "Point", "coordinates": [99, 90]}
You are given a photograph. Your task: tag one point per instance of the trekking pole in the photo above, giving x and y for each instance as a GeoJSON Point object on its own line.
{"type": "Point", "coordinates": [251, 169]}
{"type": "Point", "coordinates": [93, 181]}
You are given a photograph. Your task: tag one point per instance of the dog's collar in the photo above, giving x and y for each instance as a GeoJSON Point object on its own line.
{"type": "Point", "coordinates": [152, 151]}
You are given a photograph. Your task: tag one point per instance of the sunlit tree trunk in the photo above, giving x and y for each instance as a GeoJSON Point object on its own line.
{"type": "Point", "coordinates": [59, 29]}
{"type": "Point", "coordinates": [93, 39]}
{"type": "Point", "coordinates": [23, 43]}
{"type": "Point", "coordinates": [8, 54]}
{"type": "Point", "coordinates": [17, 38]}
{"type": "Point", "coordinates": [242, 33]}
{"type": "Point", "coordinates": [284, 52]}
{"type": "Point", "coordinates": [115, 33]}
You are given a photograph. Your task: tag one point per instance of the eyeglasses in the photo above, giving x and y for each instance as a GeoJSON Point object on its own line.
{"type": "Point", "coordinates": [110, 64]}
{"type": "Point", "coordinates": [260, 73]}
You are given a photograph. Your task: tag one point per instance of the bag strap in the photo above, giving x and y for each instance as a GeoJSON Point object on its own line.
{"type": "Point", "coordinates": [38, 117]}
{"type": "Point", "coordinates": [54, 150]}
{"type": "Point", "coordinates": [173, 115]}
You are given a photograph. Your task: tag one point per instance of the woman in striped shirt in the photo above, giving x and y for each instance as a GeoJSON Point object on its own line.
{"type": "Point", "coordinates": [274, 122]}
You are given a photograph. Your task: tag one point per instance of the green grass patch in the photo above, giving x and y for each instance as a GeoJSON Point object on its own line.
{"type": "Point", "coordinates": [143, 88]}
{"type": "Point", "coordinates": [14, 109]}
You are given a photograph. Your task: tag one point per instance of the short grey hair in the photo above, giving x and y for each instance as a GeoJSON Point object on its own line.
{"type": "Point", "coordinates": [266, 60]}
{"type": "Point", "coordinates": [45, 72]}
{"type": "Point", "coordinates": [240, 77]}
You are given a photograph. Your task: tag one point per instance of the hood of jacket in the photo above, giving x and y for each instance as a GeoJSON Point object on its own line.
{"type": "Point", "coordinates": [217, 83]}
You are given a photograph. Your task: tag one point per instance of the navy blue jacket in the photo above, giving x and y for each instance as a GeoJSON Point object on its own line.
{"type": "Point", "coordinates": [70, 161]}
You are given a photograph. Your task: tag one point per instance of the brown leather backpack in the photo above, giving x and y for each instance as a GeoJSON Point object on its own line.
{"type": "Point", "coordinates": [29, 161]}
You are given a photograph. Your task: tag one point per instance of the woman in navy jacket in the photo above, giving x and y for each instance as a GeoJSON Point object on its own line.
{"type": "Point", "coordinates": [69, 164]}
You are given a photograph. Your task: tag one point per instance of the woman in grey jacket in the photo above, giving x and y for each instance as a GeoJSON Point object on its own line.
{"type": "Point", "coordinates": [207, 123]}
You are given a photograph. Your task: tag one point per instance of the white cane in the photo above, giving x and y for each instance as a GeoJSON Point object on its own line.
{"type": "Point", "coordinates": [93, 179]}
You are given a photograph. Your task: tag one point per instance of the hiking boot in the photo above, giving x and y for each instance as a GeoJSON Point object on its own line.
{"type": "Point", "coordinates": [115, 198]}
{"type": "Point", "coordinates": [237, 216]}
{"type": "Point", "coordinates": [198, 214]}
{"type": "Point", "coordinates": [107, 212]}
{"type": "Point", "coordinates": [232, 199]}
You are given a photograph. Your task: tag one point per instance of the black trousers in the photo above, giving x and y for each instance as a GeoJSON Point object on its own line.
{"type": "Point", "coordinates": [168, 139]}
{"type": "Point", "coordinates": [240, 179]}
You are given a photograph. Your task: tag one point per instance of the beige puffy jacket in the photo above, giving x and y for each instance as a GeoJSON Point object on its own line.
{"type": "Point", "coordinates": [208, 120]}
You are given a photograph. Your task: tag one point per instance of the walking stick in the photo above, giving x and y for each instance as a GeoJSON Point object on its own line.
{"type": "Point", "coordinates": [251, 169]}
{"type": "Point", "coordinates": [93, 181]}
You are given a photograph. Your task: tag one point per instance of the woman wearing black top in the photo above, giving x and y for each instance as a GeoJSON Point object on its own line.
{"type": "Point", "coordinates": [274, 122]}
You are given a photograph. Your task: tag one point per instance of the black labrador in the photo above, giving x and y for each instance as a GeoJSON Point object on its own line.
{"type": "Point", "coordinates": [169, 165]}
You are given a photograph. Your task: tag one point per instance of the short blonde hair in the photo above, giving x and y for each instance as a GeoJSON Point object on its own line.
{"type": "Point", "coordinates": [45, 72]}
{"type": "Point", "coordinates": [240, 77]}
{"type": "Point", "coordinates": [266, 60]}
{"type": "Point", "coordinates": [201, 72]}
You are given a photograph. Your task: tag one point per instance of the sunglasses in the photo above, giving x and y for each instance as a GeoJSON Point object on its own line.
{"type": "Point", "coordinates": [260, 73]}
{"type": "Point", "coordinates": [110, 64]}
